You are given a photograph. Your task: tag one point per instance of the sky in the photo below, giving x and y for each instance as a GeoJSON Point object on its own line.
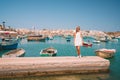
{"type": "Point", "coordinates": [103, 15]}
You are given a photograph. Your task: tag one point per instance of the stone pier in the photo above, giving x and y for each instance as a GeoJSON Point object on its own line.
{"type": "Point", "coordinates": [43, 66]}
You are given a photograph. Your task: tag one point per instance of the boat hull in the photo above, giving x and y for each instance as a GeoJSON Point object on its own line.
{"type": "Point", "coordinates": [48, 52]}
{"type": "Point", "coordinates": [87, 44]}
{"type": "Point", "coordinates": [36, 38]}
{"type": "Point", "coordinates": [9, 47]}
{"type": "Point", "coordinates": [14, 53]}
{"type": "Point", "coordinates": [104, 54]}
{"type": "Point", "coordinates": [46, 55]}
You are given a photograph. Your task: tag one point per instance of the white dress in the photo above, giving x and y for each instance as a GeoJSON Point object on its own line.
{"type": "Point", "coordinates": [78, 39]}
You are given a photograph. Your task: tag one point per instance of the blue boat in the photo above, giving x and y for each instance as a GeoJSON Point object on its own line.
{"type": "Point", "coordinates": [8, 40]}
{"type": "Point", "coordinates": [9, 44]}
{"type": "Point", "coordinates": [68, 38]}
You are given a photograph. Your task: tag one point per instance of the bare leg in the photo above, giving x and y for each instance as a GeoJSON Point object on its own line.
{"type": "Point", "coordinates": [78, 50]}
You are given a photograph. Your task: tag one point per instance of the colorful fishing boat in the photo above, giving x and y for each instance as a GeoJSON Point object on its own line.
{"type": "Point", "coordinates": [48, 52]}
{"type": "Point", "coordinates": [105, 53]}
{"type": "Point", "coordinates": [8, 40]}
{"type": "Point", "coordinates": [14, 53]}
{"type": "Point", "coordinates": [8, 44]}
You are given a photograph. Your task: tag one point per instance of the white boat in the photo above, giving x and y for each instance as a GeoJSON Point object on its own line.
{"type": "Point", "coordinates": [48, 52]}
{"type": "Point", "coordinates": [14, 53]}
{"type": "Point", "coordinates": [96, 41]}
{"type": "Point", "coordinates": [118, 37]}
{"type": "Point", "coordinates": [114, 40]}
{"type": "Point", "coordinates": [50, 37]}
{"type": "Point", "coordinates": [104, 39]}
{"type": "Point", "coordinates": [105, 53]}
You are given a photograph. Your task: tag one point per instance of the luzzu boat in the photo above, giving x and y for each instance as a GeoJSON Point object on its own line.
{"type": "Point", "coordinates": [48, 52]}
{"type": "Point", "coordinates": [8, 40]}
{"type": "Point", "coordinates": [105, 53]}
{"type": "Point", "coordinates": [8, 45]}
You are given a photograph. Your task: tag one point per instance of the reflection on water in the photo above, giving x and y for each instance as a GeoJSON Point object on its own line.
{"type": "Point", "coordinates": [67, 77]}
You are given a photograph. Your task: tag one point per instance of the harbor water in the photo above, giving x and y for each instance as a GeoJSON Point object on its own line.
{"type": "Point", "coordinates": [67, 48]}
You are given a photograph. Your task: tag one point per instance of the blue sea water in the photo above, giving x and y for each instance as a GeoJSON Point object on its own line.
{"type": "Point", "coordinates": [67, 49]}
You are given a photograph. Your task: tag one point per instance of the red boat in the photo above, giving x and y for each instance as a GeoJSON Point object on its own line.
{"type": "Point", "coordinates": [87, 44]}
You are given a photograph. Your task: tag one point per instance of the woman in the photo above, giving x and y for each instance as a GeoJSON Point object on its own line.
{"type": "Point", "coordinates": [78, 40]}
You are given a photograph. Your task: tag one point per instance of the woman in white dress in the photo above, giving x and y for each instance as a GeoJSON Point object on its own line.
{"type": "Point", "coordinates": [78, 40]}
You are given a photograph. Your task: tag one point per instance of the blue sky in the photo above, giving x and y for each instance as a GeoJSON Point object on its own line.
{"type": "Point", "coordinates": [101, 15]}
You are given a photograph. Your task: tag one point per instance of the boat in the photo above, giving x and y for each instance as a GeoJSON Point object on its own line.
{"type": "Point", "coordinates": [8, 40]}
{"type": "Point", "coordinates": [8, 44]}
{"type": "Point", "coordinates": [48, 52]}
{"type": "Point", "coordinates": [14, 53]}
{"type": "Point", "coordinates": [105, 53]}
{"type": "Point", "coordinates": [96, 41]}
{"type": "Point", "coordinates": [50, 37]}
{"type": "Point", "coordinates": [114, 40]}
{"type": "Point", "coordinates": [36, 38]}
{"type": "Point", "coordinates": [68, 39]}
{"type": "Point", "coordinates": [104, 39]}
{"type": "Point", "coordinates": [87, 44]}
{"type": "Point", "coordinates": [118, 37]}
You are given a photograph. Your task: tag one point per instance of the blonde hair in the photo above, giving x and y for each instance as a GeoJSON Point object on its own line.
{"type": "Point", "coordinates": [77, 28]}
